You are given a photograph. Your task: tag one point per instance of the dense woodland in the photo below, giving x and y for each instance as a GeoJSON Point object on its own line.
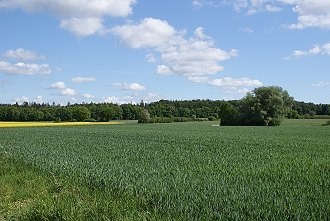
{"type": "Point", "coordinates": [263, 106]}
{"type": "Point", "coordinates": [196, 109]}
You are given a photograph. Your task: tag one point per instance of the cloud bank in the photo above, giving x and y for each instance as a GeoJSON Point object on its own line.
{"type": "Point", "coordinates": [81, 17]}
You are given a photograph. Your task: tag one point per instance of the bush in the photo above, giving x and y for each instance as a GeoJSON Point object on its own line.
{"type": "Point", "coordinates": [90, 120]}
{"type": "Point", "coordinates": [211, 118]}
{"type": "Point", "coordinates": [327, 123]}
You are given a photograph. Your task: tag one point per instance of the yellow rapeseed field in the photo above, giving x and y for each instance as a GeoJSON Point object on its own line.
{"type": "Point", "coordinates": [52, 124]}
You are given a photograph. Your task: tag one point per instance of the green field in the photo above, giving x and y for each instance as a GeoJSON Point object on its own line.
{"type": "Point", "coordinates": [180, 171]}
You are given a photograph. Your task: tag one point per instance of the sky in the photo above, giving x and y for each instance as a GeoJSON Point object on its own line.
{"type": "Point", "coordinates": [125, 51]}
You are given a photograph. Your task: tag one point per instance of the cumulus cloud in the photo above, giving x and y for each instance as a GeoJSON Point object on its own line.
{"type": "Point", "coordinates": [163, 69]}
{"type": "Point", "coordinates": [315, 50]}
{"type": "Point", "coordinates": [63, 89]}
{"type": "Point", "coordinates": [84, 17]}
{"type": "Point", "coordinates": [149, 33]}
{"type": "Point", "coordinates": [311, 13]}
{"type": "Point", "coordinates": [228, 82]}
{"type": "Point", "coordinates": [119, 100]}
{"type": "Point", "coordinates": [88, 96]}
{"type": "Point", "coordinates": [322, 84]}
{"type": "Point", "coordinates": [83, 26]}
{"type": "Point", "coordinates": [22, 54]}
{"type": "Point", "coordinates": [83, 79]}
{"type": "Point", "coordinates": [130, 87]}
{"type": "Point", "coordinates": [22, 68]}
{"type": "Point", "coordinates": [151, 97]}
{"type": "Point", "coordinates": [134, 99]}
{"type": "Point", "coordinates": [194, 56]}
{"type": "Point", "coordinates": [251, 7]}
{"type": "Point", "coordinates": [21, 100]}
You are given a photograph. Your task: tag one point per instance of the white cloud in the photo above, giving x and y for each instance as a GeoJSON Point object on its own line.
{"type": "Point", "coordinates": [83, 26]}
{"type": "Point", "coordinates": [83, 79]}
{"type": "Point", "coordinates": [315, 50]}
{"type": "Point", "coordinates": [21, 100]}
{"type": "Point", "coordinates": [68, 92]}
{"type": "Point", "coordinates": [198, 79]}
{"type": "Point", "coordinates": [134, 99]}
{"type": "Point", "coordinates": [63, 89]}
{"type": "Point", "coordinates": [21, 54]}
{"type": "Point", "coordinates": [81, 17]}
{"type": "Point", "coordinates": [322, 84]}
{"type": "Point", "coordinates": [228, 82]}
{"type": "Point", "coordinates": [150, 33]}
{"type": "Point", "coordinates": [58, 85]}
{"type": "Point", "coordinates": [272, 8]}
{"type": "Point", "coordinates": [74, 8]}
{"type": "Point", "coordinates": [120, 100]}
{"type": "Point", "coordinates": [251, 7]}
{"type": "Point", "coordinates": [197, 3]}
{"type": "Point", "coordinates": [194, 56]}
{"type": "Point", "coordinates": [24, 68]}
{"type": "Point", "coordinates": [151, 97]}
{"type": "Point", "coordinates": [89, 96]}
{"type": "Point", "coordinates": [311, 13]}
{"type": "Point", "coordinates": [130, 87]}
{"type": "Point", "coordinates": [21, 67]}
{"type": "Point", "coordinates": [163, 70]}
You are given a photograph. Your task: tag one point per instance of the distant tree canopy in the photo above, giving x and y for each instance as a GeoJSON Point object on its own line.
{"type": "Point", "coordinates": [263, 106]}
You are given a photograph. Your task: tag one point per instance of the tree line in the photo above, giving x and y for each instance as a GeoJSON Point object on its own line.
{"type": "Point", "coordinates": [263, 106]}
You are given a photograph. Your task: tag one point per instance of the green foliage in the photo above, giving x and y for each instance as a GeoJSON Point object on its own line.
{"type": "Point", "coordinates": [144, 116]}
{"type": "Point", "coordinates": [327, 123]}
{"type": "Point", "coordinates": [212, 118]}
{"type": "Point", "coordinates": [188, 171]}
{"type": "Point", "coordinates": [90, 120]}
{"type": "Point", "coordinates": [229, 111]}
{"type": "Point", "coordinates": [80, 113]}
{"type": "Point", "coordinates": [265, 106]}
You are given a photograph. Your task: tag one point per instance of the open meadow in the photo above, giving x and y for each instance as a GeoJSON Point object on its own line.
{"type": "Point", "coordinates": [177, 171]}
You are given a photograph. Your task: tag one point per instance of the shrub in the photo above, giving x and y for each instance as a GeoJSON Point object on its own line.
{"type": "Point", "coordinates": [90, 120]}
{"type": "Point", "coordinates": [327, 123]}
{"type": "Point", "coordinates": [211, 118]}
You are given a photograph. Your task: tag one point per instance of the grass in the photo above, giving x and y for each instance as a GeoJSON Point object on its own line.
{"type": "Point", "coordinates": [304, 122]}
{"type": "Point", "coordinates": [185, 171]}
{"type": "Point", "coordinates": [29, 194]}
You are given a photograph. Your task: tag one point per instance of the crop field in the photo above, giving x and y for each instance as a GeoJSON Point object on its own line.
{"type": "Point", "coordinates": [51, 124]}
{"type": "Point", "coordinates": [179, 171]}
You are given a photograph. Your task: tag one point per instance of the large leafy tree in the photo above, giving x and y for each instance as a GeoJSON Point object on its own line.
{"type": "Point", "coordinates": [265, 106]}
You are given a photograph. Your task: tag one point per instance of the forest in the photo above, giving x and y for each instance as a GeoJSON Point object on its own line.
{"type": "Point", "coordinates": [197, 109]}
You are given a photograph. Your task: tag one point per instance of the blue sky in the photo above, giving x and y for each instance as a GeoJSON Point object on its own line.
{"type": "Point", "coordinates": [131, 50]}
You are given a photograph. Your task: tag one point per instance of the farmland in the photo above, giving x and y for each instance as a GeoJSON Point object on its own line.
{"type": "Point", "coordinates": [186, 171]}
{"type": "Point", "coordinates": [51, 124]}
